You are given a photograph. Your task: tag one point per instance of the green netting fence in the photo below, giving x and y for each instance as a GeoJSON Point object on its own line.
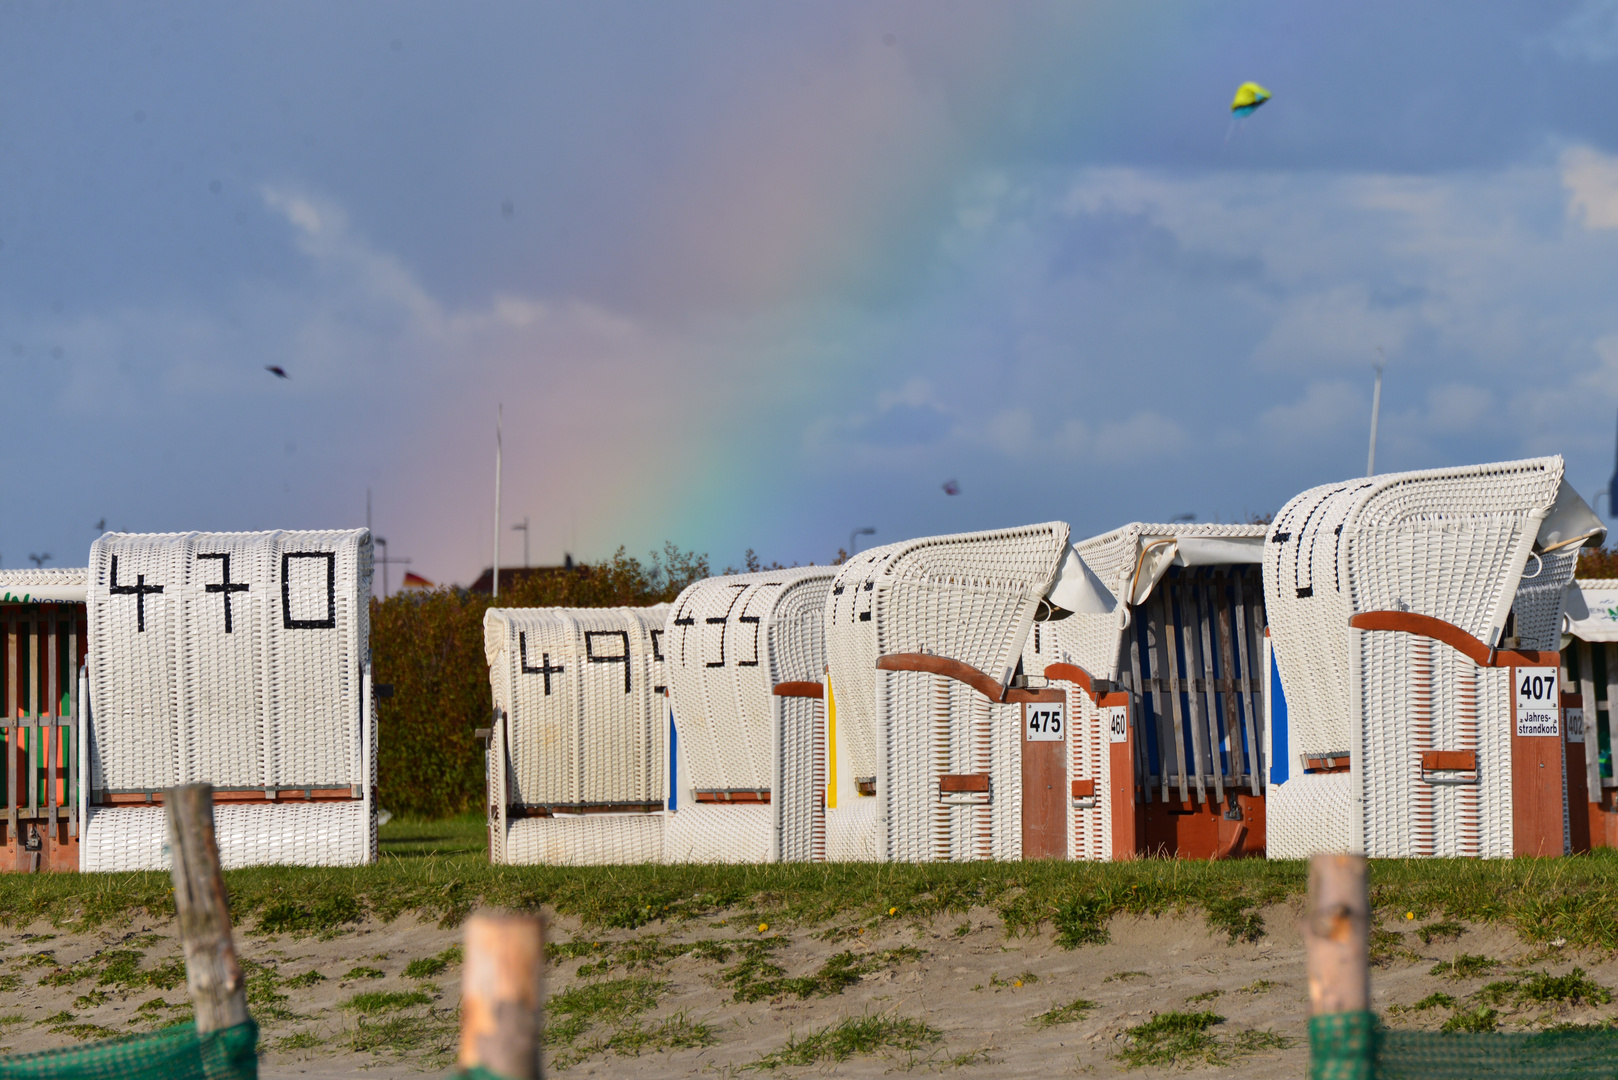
{"type": "Point", "coordinates": [1354, 1046]}
{"type": "Point", "coordinates": [172, 1053]}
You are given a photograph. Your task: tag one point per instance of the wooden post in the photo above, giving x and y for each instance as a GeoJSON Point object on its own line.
{"type": "Point", "coordinates": [1336, 934]}
{"type": "Point", "coordinates": [501, 995]}
{"type": "Point", "coordinates": [212, 973]}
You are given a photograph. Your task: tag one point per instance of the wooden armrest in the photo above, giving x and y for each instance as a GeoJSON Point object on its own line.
{"type": "Point", "coordinates": [799, 689]}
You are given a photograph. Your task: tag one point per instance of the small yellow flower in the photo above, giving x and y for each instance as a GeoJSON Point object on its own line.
{"type": "Point", "coordinates": [1410, 914]}
{"type": "Point", "coordinates": [893, 911]}
{"type": "Point", "coordinates": [763, 926]}
{"type": "Point", "coordinates": [1016, 982]}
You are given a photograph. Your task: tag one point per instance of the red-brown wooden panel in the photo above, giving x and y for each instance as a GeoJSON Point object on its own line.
{"type": "Point", "coordinates": [1450, 760]}
{"type": "Point", "coordinates": [1044, 796]}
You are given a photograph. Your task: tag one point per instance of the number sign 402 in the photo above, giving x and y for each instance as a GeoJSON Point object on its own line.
{"type": "Point", "coordinates": [1044, 723]}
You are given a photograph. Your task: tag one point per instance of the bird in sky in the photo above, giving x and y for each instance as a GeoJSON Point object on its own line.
{"type": "Point", "coordinates": [952, 487]}
{"type": "Point", "coordinates": [278, 371]}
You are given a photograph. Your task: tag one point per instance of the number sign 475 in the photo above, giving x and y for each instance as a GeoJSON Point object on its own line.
{"type": "Point", "coordinates": [1044, 723]}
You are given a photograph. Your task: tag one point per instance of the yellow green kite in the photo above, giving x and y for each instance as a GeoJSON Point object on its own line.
{"type": "Point", "coordinates": [1249, 96]}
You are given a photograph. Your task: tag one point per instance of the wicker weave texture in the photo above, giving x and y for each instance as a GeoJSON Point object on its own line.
{"type": "Point", "coordinates": [581, 689]}
{"type": "Point", "coordinates": [854, 832]}
{"type": "Point", "coordinates": [729, 641]}
{"type": "Point", "coordinates": [851, 651]}
{"type": "Point", "coordinates": [1449, 543]}
{"type": "Point", "coordinates": [800, 783]}
{"type": "Point", "coordinates": [738, 833]}
{"type": "Point", "coordinates": [971, 597]}
{"type": "Point", "coordinates": [126, 838]}
{"type": "Point", "coordinates": [584, 840]}
{"type": "Point", "coordinates": [1453, 544]}
{"type": "Point", "coordinates": [1541, 599]}
{"type": "Point", "coordinates": [236, 659]}
{"type": "Point", "coordinates": [1309, 814]}
{"type": "Point", "coordinates": [1421, 695]}
{"type": "Point", "coordinates": [44, 575]}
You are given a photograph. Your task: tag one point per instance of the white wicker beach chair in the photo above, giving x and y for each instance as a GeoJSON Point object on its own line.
{"type": "Point", "coordinates": [1590, 686]}
{"type": "Point", "coordinates": [236, 659]}
{"type": "Point", "coordinates": [853, 822]}
{"type": "Point", "coordinates": [746, 658]}
{"type": "Point", "coordinates": [42, 628]}
{"type": "Point", "coordinates": [578, 753]}
{"type": "Point", "coordinates": [1416, 654]}
{"type": "Point", "coordinates": [942, 620]}
{"type": "Point", "coordinates": [1167, 700]}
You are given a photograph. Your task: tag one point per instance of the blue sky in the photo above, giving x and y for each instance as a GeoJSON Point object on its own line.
{"type": "Point", "coordinates": [752, 276]}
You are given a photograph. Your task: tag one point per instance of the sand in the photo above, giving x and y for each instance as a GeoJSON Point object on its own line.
{"type": "Point", "coordinates": [978, 988]}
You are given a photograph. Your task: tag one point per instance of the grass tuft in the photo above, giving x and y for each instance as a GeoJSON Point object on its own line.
{"type": "Point", "coordinates": [757, 976]}
{"type": "Point", "coordinates": [1464, 966]}
{"type": "Point", "coordinates": [425, 968]}
{"type": "Point", "coordinates": [1082, 920]}
{"type": "Point", "coordinates": [1574, 988]}
{"type": "Point", "coordinates": [381, 1001]}
{"type": "Point", "coordinates": [1182, 1038]}
{"type": "Point", "coordinates": [1443, 930]}
{"type": "Point", "coordinates": [1479, 1019]}
{"type": "Point", "coordinates": [300, 1040]}
{"type": "Point", "coordinates": [1236, 916]}
{"type": "Point", "coordinates": [1072, 1012]}
{"type": "Point", "coordinates": [364, 973]}
{"type": "Point", "coordinates": [425, 1039]}
{"type": "Point", "coordinates": [862, 1035]}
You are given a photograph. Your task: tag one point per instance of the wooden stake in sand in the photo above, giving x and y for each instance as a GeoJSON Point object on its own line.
{"type": "Point", "coordinates": [1336, 934]}
{"type": "Point", "coordinates": [212, 973]}
{"type": "Point", "coordinates": [501, 995]}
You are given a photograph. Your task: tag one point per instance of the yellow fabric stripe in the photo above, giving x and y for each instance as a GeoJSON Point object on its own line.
{"type": "Point", "coordinates": [831, 746]}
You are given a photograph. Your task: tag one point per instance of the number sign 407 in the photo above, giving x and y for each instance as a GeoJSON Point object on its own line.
{"type": "Point", "coordinates": [1539, 704]}
{"type": "Point", "coordinates": [1044, 723]}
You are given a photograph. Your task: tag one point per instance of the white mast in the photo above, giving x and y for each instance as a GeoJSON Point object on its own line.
{"type": "Point", "coordinates": [1376, 407]}
{"type": "Point", "coordinates": [499, 410]}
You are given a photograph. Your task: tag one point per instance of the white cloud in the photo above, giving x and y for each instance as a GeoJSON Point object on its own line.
{"type": "Point", "coordinates": [1326, 409]}
{"type": "Point", "coordinates": [1590, 32]}
{"type": "Point", "coordinates": [1456, 408]}
{"type": "Point", "coordinates": [1591, 180]}
{"type": "Point", "coordinates": [1336, 327]}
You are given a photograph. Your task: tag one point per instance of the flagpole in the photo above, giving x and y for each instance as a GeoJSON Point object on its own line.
{"type": "Point", "coordinates": [499, 410]}
{"type": "Point", "coordinates": [1376, 408]}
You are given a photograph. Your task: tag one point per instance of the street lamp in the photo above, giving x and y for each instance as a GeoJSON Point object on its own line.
{"type": "Point", "coordinates": [853, 542]}
{"type": "Point", "coordinates": [385, 560]}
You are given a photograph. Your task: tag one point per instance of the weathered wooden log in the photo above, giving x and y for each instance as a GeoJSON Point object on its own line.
{"type": "Point", "coordinates": [502, 995]}
{"type": "Point", "coordinates": [1336, 934]}
{"type": "Point", "coordinates": [212, 973]}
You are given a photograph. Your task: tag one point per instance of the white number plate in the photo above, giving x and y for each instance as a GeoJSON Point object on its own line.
{"type": "Point", "coordinates": [1539, 704]}
{"type": "Point", "coordinates": [1118, 722]}
{"type": "Point", "coordinates": [1045, 723]}
{"type": "Point", "coordinates": [1575, 724]}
